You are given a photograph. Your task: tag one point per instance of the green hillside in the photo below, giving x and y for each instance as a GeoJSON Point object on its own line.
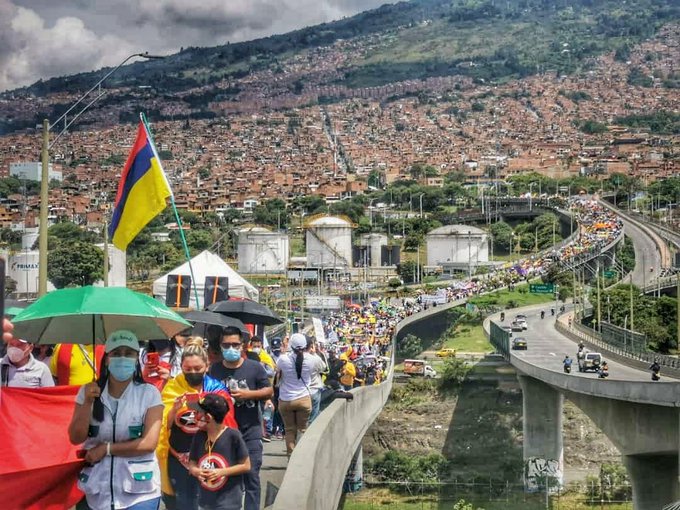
{"type": "Point", "coordinates": [488, 40]}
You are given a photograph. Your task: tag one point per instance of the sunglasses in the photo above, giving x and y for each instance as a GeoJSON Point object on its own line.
{"type": "Point", "coordinates": [232, 346]}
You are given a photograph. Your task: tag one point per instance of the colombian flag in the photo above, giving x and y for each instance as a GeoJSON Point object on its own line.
{"type": "Point", "coordinates": [141, 193]}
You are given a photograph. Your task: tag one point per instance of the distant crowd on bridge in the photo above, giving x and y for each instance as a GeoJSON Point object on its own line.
{"type": "Point", "coordinates": [193, 413]}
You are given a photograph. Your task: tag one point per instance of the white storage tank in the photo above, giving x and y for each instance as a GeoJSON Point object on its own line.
{"type": "Point", "coordinates": [262, 251]}
{"type": "Point", "coordinates": [457, 246]}
{"type": "Point", "coordinates": [329, 241]}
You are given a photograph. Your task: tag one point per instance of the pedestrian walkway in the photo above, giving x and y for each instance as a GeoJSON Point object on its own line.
{"type": "Point", "coordinates": [274, 463]}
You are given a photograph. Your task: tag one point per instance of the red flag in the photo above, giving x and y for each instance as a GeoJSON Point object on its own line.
{"type": "Point", "coordinates": [38, 464]}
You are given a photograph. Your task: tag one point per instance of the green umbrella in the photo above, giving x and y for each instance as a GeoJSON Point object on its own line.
{"type": "Point", "coordinates": [87, 315]}
{"type": "Point", "coordinates": [12, 311]}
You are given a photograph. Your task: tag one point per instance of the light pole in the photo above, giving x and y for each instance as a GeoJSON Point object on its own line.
{"type": "Point", "coordinates": [531, 191]}
{"type": "Point", "coordinates": [45, 156]}
{"type": "Point", "coordinates": [421, 204]}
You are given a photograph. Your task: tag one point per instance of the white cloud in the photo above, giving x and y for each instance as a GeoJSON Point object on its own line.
{"type": "Point", "coordinates": [46, 38]}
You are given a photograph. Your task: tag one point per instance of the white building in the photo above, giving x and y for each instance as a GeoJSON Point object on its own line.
{"type": "Point", "coordinates": [457, 247]}
{"type": "Point", "coordinates": [33, 171]}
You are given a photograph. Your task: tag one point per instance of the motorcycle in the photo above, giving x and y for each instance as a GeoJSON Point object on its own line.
{"type": "Point", "coordinates": [552, 311]}
{"type": "Point", "coordinates": [656, 376]}
{"type": "Point", "coordinates": [542, 314]}
{"type": "Point", "coordinates": [567, 369]}
{"type": "Point", "coordinates": [502, 316]}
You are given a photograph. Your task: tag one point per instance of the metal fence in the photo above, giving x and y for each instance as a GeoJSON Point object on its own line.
{"type": "Point", "coordinates": [500, 339]}
{"type": "Point", "coordinates": [624, 339]}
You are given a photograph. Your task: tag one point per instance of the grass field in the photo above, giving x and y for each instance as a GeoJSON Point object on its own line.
{"type": "Point", "coordinates": [512, 299]}
{"type": "Point", "coordinates": [379, 499]}
{"type": "Point", "coordinates": [469, 339]}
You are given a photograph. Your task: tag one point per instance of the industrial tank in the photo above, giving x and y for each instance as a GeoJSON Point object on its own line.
{"type": "Point", "coordinates": [374, 244]}
{"type": "Point", "coordinates": [329, 241]}
{"type": "Point", "coordinates": [262, 251]}
{"type": "Point", "coordinates": [455, 245]}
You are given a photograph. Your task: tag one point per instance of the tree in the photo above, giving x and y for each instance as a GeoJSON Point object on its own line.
{"type": "Point", "coordinates": [407, 271]}
{"type": "Point", "coordinates": [75, 264]}
{"type": "Point", "coordinates": [409, 346]}
{"type": "Point", "coordinates": [501, 233]}
{"type": "Point", "coordinates": [454, 372]}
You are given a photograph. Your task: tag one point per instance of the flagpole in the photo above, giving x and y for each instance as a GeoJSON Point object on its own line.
{"type": "Point", "coordinates": [174, 209]}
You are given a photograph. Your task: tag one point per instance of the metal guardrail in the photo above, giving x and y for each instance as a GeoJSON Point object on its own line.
{"type": "Point", "coordinates": [665, 282]}
{"type": "Point", "coordinates": [670, 365]}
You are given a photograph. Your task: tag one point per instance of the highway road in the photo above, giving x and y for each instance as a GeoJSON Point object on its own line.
{"type": "Point", "coordinates": [648, 246]}
{"type": "Point", "coordinates": [647, 256]}
{"type": "Point", "coordinates": [546, 347]}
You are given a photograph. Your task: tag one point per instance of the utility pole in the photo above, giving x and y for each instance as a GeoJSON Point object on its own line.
{"type": "Point", "coordinates": [469, 254]}
{"type": "Point", "coordinates": [44, 197]}
{"type": "Point", "coordinates": [678, 293]}
{"type": "Point", "coordinates": [599, 301]}
{"type": "Point", "coordinates": [632, 324]}
{"type": "Point", "coordinates": [106, 253]}
{"type": "Point", "coordinates": [553, 226]}
{"type": "Point", "coordinates": [536, 240]}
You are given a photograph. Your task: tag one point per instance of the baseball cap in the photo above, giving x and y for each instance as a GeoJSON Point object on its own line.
{"type": "Point", "coordinates": [213, 404]}
{"type": "Point", "coordinates": [121, 338]}
{"type": "Point", "coordinates": [298, 341]}
{"type": "Point", "coordinates": [275, 343]}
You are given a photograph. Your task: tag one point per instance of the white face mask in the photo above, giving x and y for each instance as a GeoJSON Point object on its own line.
{"type": "Point", "coordinates": [257, 350]}
{"type": "Point", "coordinates": [15, 354]}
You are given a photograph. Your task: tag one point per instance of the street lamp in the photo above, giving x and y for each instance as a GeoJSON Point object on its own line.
{"type": "Point", "coordinates": [45, 156]}
{"type": "Point", "coordinates": [421, 204]}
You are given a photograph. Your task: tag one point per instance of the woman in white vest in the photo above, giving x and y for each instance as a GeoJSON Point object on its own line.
{"type": "Point", "coordinates": [118, 420]}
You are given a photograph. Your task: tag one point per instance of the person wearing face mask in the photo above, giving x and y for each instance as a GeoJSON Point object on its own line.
{"type": "Point", "coordinates": [179, 488]}
{"type": "Point", "coordinates": [19, 369]}
{"type": "Point", "coordinates": [265, 359]}
{"type": "Point", "coordinates": [248, 384]}
{"type": "Point", "coordinates": [117, 419]}
{"type": "Point", "coordinates": [161, 360]}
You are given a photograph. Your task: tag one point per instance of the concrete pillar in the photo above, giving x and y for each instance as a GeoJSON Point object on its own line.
{"type": "Point", "coordinates": [654, 479]}
{"type": "Point", "coordinates": [543, 449]}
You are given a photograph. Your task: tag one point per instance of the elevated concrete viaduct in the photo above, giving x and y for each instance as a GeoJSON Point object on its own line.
{"type": "Point", "coordinates": [639, 416]}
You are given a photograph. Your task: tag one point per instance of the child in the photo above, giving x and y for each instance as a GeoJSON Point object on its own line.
{"type": "Point", "coordinates": [218, 456]}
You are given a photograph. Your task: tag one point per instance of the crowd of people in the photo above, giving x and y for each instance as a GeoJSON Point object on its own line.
{"type": "Point", "coordinates": [184, 419]}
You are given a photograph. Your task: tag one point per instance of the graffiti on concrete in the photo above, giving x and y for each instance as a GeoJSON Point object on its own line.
{"type": "Point", "coordinates": [539, 471]}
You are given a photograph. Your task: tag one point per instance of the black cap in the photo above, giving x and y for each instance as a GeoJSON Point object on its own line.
{"type": "Point", "coordinates": [213, 404]}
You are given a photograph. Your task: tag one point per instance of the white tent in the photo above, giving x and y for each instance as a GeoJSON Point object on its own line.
{"type": "Point", "coordinates": [207, 264]}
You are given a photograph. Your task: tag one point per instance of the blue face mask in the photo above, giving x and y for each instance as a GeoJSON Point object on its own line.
{"type": "Point", "coordinates": [231, 355]}
{"type": "Point", "coordinates": [121, 368]}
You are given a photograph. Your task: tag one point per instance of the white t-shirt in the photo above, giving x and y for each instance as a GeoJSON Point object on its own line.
{"type": "Point", "coordinates": [292, 388]}
{"type": "Point", "coordinates": [135, 479]}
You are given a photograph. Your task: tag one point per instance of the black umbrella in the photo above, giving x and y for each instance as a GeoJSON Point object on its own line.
{"type": "Point", "coordinates": [202, 320]}
{"type": "Point", "coordinates": [250, 312]}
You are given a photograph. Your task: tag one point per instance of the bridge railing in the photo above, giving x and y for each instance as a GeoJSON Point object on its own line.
{"type": "Point", "coordinates": [625, 354]}
{"type": "Point", "coordinates": [660, 283]}
{"type": "Point", "coordinates": [316, 469]}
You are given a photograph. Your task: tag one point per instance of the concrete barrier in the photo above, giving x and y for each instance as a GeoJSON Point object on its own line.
{"type": "Point", "coordinates": [316, 470]}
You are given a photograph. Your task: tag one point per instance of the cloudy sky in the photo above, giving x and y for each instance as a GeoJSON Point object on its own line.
{"type": "Point", "coordinates": [47, 38]}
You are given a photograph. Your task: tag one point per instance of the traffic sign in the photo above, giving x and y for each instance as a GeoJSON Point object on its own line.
{"type": "Point", "coordinates": [609, 274]}
{"type": "Point", "coordinates": [541, 288]}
